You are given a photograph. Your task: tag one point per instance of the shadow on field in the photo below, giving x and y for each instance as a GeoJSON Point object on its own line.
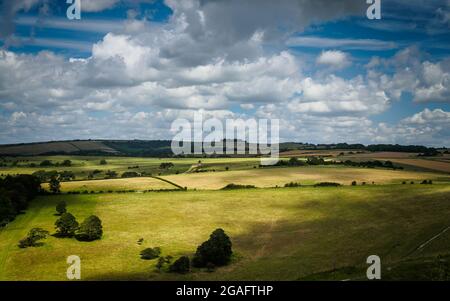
{"type": "Point", "coordinates": [119, 276]}
{"type": "Point", "coordinates": [327, 235]}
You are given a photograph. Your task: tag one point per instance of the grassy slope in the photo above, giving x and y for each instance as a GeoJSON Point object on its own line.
{"type": "Point", "coordinates": [143, 183]}
{"type": "Point", "coordinates": [82, 165]}
{"type": "Point", "coordinates": [277, 233]}
{"type": "Point", "coordinates": [270, 177]}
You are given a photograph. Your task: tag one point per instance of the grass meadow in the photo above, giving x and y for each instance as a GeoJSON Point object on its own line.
{"type": "Point", "coordinates": [271, 177]}
{"type": "Point", "coordinates": [277, 234]}
{"type": "Point", "coordinates": [111, 185]}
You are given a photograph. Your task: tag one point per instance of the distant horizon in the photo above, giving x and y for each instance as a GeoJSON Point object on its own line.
{"type": "Point", "coordinates": [169, 140]}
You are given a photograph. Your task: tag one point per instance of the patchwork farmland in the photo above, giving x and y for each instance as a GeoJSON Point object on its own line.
{"type": "Point", "coordinates": [277, 232]}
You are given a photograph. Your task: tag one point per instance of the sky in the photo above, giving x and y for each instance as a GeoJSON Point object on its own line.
{"type": "Point", "coordinates": [127, 69]}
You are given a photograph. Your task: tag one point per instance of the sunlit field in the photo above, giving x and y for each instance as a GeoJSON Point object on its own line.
{"type": "Point", "coordinates": [139, 184]}
{"type": "Point", "coordinates": [83, 165]}
{"type": "Point", "coordinates": [271, 177]}
{"type": "Point", "coordinates": [277, 234]}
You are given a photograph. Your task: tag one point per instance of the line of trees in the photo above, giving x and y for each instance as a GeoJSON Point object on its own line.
{"type": "Point", "coordinates": [15, 194]}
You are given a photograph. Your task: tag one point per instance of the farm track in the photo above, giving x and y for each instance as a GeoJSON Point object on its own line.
{"type": "Point", "coordinates": [267, 239]}
{"type": "Point", "coordinates": [423, 245]}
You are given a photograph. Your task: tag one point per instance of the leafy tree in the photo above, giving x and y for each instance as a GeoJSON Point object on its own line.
{"type": "Point", "coordinates": [6, 208]}
{"type": "Point", "coordinates": [19, 200]}
{"type": "Point", "coordinates": [61, 208]}
{"type": "Point", "coordinates": [181, 265]}
{"type": "Point", "coordinates": [66, 225]}
{"type": "Point", "coordinates": [162, 261]}
{"type": "Point", "coordinates": [55, 186]}
{"type": "Point", "coordinates": [35, 235]}
{"type": "Point", "coordinates": [103, 162]}
{"type": "Point", "coordinates": [150, 253]}
{"type": "Point", "coordinates": [130, 174]}
{"type": "Point", "coordinates": [66, 163]}
{"type": "Point", "coordinates": [90, 229]}
{"type": "Point", "coordinates": [217, 250]}
{"type": "Point", "coordinates": [327, 184]}
{"type": "Point", "coordinates": [46, 163]}
{"type": "Point", "coordinates": [15, 194]}
{"type": "Point", "coordinates": [67, 175]}
{"type": "Point", "coordinates": [315, 161]}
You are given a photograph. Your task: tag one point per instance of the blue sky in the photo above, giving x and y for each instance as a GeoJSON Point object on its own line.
{"type": "Point", "coordinates": [127, 69]}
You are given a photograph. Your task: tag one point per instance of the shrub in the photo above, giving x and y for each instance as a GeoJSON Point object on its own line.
{"type": "Point", "coordinates": [165, 165]}
{"type": "Point", "coordinates": [237, 186]}
{"type": "Point", "coordinates": [66, 163]}
{"type": "Point", "coordinates": [103, 162]}
{"type": "Point", "coordinates": [150, 253]}
{"type": "Point", "coordinates": [426, 182]}
{"type": "Point", "coordinates": [327, 184]}
{"type": "Point", "coordinates": [55, 186]}
{"type": "Point", "coordinates": [46, 163]}
{"type": "Point", "coordinates": [217, 250]}
{"type": "Point", "coordinates": [66, 225]}
{"type": "Point", "coordinates": [181, 265]}
{"type": "Point", "coordinates": [61, 208]}
{"type": "Point", "coordinates": [354, 183]}
{"type": "Point", "coordinates": [130, 174]}
{"type": "Point", "coordinates": [315, 161]}
{"type": "Point", "coordinates": [90, 229]}
{"type": "Point", "coordinates": [292, 184]}
{"type": "Point", "coordinates": [35, 235]}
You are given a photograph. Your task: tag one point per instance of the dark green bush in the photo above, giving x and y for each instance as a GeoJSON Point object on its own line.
{"type": "Point", "coordinates": [90, 229]}
{"type": "Point", "coordinates": [55, 186]}
{"type": "Point", "coordinates": [292, 184]}
{"type": "Point", "coordinates": [327, 184]}
{"type": "Point", "coordinates": [66, 225]}
{"type": "Point", "coordinates": [130, 174]}
{"type": "Point", "coordinates": [150, 253]}
{"type": "Point", "coordinates": [217, 250]}
{"type": "Point", "coordinates": [35, 235]}
{"type": "Point", "coordinates": [181, 265]}
{"type": "Point", "coordinates": [237, 186]}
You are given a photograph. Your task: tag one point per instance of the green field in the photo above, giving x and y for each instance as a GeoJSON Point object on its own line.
{"type": "Point", "coordinates": [137, 184]}
{"type": "Point", "coordinates": [281, 234]}
{"type": "Point", "coordinates": [83, 165]}
{"type": "Point", "coordinates": [276, 176]}
{"type": "Point", "coordinates": [277, 233]}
